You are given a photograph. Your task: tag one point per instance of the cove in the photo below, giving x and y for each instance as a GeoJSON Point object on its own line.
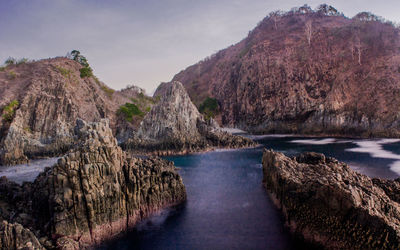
{"type": "Point", "coordinates": [227, 207]}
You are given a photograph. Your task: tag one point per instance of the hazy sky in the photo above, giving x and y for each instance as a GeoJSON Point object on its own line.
{"type": "Point", "coordinates": [143, 42]}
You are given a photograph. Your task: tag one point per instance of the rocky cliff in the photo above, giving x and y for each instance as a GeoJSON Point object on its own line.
{"type": "Point", "coordinates": [328, 204]}
{"type": "Point", "coordinates": [92, 194]}
{"type": "Point", "coordinates": [40, 102]}
{"type": "Point", "coordinates": [174, 125]}
{"type": "Point", "coordinates": [306, 71]}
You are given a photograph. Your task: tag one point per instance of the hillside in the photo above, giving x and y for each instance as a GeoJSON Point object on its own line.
{"type": "Point", "coordinates": [306, 71]}
{"type": "Point", "coordinates": [40, 102]}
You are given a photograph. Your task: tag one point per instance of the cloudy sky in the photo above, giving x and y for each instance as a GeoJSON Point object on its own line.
{"type": "Point", "coordinates": [143, 42]}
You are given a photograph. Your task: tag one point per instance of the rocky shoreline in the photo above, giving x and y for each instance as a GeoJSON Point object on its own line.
{"type": "Point", "coordinates": [93, 194]}
{"type": "Point", "coordinates": [332, 206]}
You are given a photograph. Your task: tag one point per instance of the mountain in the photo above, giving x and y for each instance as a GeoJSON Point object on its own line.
{"type": "Point", "coordinates": [41, 101]}
{"type": "Point", "coordinates": [306, 71]}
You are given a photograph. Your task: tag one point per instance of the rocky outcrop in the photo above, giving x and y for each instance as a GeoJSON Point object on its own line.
{"type": "Point", "coordinates": [41, 102]}
{"type": "Point", "coordinates": [175, 117]}
{"type": "Point", "coordinates": [175, 126]}
{"type": "Point", "coordinates": [16, 237]}
{"type": "Point", "coordinates": [329, 204]}
{"type": "Point", "coordinates": [275, 81]}
{"type": "Point", "coordinates": [93, 193]}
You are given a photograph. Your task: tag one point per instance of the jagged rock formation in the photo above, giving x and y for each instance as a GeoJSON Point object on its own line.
{"type": "Point", "coordinates": [40, 102]}
{"type": "Point", "coordinates": [93, 193]}
{"type": "Point", "coordinates": [49, 95]}
{"type": "Point", "coordinates": [175, 116]}
{"type": "Point", "coordinates": [15, 236]}
{"type": "Point", "coordinates": [277, 80]}
{"type": "Point", "coordinates": [174, 125]}
{"type": "Point", "coordinates": [329, 204]}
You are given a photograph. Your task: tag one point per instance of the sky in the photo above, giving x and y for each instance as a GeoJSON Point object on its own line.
{"type": "Point", "coordinates": [144, 42]}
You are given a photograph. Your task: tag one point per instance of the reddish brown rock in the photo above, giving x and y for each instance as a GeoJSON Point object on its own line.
{"type": "Point", "coordinates": [275, 81]}
{"type": "Point", "coordinates": [175, 126]}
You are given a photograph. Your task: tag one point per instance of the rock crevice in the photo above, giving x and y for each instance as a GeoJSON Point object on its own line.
{"type": "Point", "coordinates": [95, 192]}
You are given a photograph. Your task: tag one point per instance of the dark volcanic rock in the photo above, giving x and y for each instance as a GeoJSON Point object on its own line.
{"type": "Point", "coordinates": [93, 193]}
{"type": "Point", "coordinates": [174, 125]}
{"type": "Point", "coordinates": [329, 204]}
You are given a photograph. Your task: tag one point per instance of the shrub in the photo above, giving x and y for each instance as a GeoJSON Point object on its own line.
{"type": "Point", "coordinates": [11, 74]}
{"type": "Point", "coordinates": [22, 61]}
{"type": "Point", "coordinates": [2, 68]}
{"type": "Point", "coordinates": [65, 72]}
{"type": "Point", "coordinates": [129, 110]}
{"type": "Point", "coordinates": [209, 107]}
{"type": "Point", "coordinates": [9, 110]}
{"type": "Point", "coordinates": [86, 72]}
{"type": "Point", "coordinates": [10, 61]}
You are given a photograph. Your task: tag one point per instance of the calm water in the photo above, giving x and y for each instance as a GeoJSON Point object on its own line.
{"type": "Point", "coordinates": [227, 207]}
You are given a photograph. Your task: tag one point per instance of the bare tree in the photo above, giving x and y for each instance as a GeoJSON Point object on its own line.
{"type": "Point", "coordinates": [275, 16]}
{"type": "Point", "coordinates": [308, 31]}
{"type": "Point", "coordinates": [352, 49]}
{"type": "Point", "coordinates": [359, 48]}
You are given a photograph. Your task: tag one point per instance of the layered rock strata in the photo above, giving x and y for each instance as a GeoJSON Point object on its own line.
{"type": "Point", "coordinates": [329, 204]}
{"type": "Point", "coordinates": [174, 125]}
{"type": "Point", "coordinates": [93, 193]}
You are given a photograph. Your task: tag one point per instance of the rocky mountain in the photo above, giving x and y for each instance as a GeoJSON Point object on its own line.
{"type": "Point", "coordinates": [92, 194]}
{"type": "Point", "coordinates": [306, 71]}
{"type": "Point", "coordinates": [40, 102]}
{"type": "Point", "coordinates": [174, 125]}
{"type": "Point", "coordinates": [332, 206]}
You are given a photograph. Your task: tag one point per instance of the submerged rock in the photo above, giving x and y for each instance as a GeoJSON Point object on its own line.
{"type": "Point", "coordinates": [93, 193]}
{"type": "Point", "coordinates": [329, 204]}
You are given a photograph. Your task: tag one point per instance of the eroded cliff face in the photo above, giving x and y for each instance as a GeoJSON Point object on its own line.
{"type": "Point", "coordinates": [175, 117]}
{"type": "Point", "coordinates": [344, 82]}
{"type": "Point", "coordinates": [93, 193]}
{"type": "Point", "coordinates": [174, 125]}
{"type": "Point", "coordinates": [328, 204]}
{"type": "Point", "coordinates": [40, 102]}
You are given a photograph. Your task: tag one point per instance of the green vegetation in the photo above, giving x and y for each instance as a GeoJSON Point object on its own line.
{"type": "Point", "coordinates": [140, 106]}
{"type": "Point", "coordinates": [2, 68]}
{"type": "Point", "coordinates": [10, 61]}
{"type": "Point", "coordinates": [65, 72]}
{"type": "Point", "coordinates": [86, 72]}
{"type": "Point", "coordinates": [22, 61]}
{"type": "Point", "coordinates": [109, 92]}
{"type": "Point", "coordinates": [11, 74]}
{"type": "Point", "coordinates": [129, 110]}
{"type": "Point", "coordinates": [9, 110]}
{"type": "Point", "coordinates": [13, 61]}
{"type": "Point", "coordinates": [209, 108]}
